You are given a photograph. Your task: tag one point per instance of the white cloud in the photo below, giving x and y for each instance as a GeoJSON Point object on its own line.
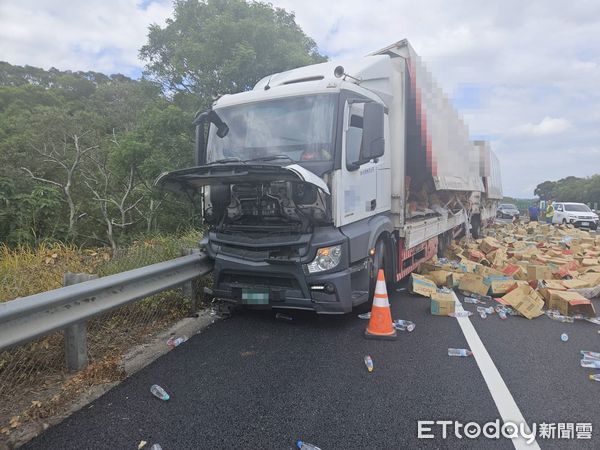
{"type": "Point", "coordinates": [528, 60]}
{"type": "Point", "coordinates": [104, 36]}
{"type": "Point", "coordinates": [547, 126]}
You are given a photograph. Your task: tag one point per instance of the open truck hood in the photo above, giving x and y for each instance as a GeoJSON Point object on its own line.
{"type": "Point", "coordinates": [228, 173]}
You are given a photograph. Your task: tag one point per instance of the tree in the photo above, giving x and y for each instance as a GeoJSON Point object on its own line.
{"type": "Point", "coordinates": [214, 47]}
{"type": "Point", "coordinates": [545, 190]}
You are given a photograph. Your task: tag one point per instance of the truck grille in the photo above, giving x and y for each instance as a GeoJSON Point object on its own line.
{"type": "Point", "coordinates": [258, 280]}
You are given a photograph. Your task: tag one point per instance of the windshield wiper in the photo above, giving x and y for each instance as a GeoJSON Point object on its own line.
{"type": "Point", "coordinates": [226, 160]}
{"type": "Point", "coordinates": [270, 158]}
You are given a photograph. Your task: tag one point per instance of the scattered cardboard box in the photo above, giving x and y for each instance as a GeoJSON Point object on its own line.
{"type": "Point", "coordinates": [421, 285]}
{"type": "Point", "coordinates": [473, 283]}
{"type": "Point", "coordinates": [526, 301]}
{"type": "Point", "coordinates": [571, 303]}
{"type": "Point", "coordinates": [442, 303]}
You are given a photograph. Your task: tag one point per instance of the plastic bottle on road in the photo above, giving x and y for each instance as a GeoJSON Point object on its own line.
{"type": "Point", "coordinates": [174, 342]}
{"type": "Point", "coordinates": [460, 314]}
{"type": "Point", "coordinates": [156, 447]}
{"type": "Point", "coordinates": [404, 325]}
{"type": "Point", "coordinates": [159, 392]}
{"type": "Point", "coordinates": [306, 446]}
{"type": "Point", "coordinates": [501, 312]}
{"type": "Point", "coordinates": [459, 352]}
{"type": "Point", "coordinates": [564, 337]}
{"type": "Point", "coordinates": [471, 300]}
{"type": "Point", "coordinates": [595, 377]}
{"type": "Point", "coordinates": [589, 355]}
{"type": "Point", "coordinates": [369, 363]}
{"type": "Point", "coordinates": [590, 363]}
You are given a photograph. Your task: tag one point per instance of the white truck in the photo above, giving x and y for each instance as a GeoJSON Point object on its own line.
{"type": "Point", "coordinates": [319, 176]}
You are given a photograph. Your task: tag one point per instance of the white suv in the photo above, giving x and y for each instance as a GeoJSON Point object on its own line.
{"type": "Point", "coordinates": [576, 214]}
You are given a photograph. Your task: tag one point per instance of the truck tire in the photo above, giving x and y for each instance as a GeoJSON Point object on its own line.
{"type": "Point", "coordinates": [475, 225]}
{"type": "Point", "coordinates": [378, 263]}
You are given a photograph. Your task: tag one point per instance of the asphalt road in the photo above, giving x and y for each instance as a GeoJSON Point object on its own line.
{"type": "Point", "coordinates": [256, 382]}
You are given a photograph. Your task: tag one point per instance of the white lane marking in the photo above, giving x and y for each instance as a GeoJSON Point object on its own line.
{"type": "Point", "coordinates": [507, 407]}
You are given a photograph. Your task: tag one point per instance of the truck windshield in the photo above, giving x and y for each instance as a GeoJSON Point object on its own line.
{"type": "Point", "coordinates": [295, 128]}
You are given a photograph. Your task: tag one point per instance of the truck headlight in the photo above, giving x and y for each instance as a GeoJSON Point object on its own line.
{"type": "Point", "coordinates": [327, 258]}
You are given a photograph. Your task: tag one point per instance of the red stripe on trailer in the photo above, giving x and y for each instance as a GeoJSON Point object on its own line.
{"type": "Point", "coordinates": [415, 256]}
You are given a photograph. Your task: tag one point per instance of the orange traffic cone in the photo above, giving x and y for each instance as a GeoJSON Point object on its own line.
{"type": "Point", "coordinates": [380, 324]}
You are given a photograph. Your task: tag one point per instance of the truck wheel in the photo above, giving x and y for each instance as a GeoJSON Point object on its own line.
{"type": "Point", "coordinates": [475, 225]}
{"type": "Point", "coordinates": [378, 263]}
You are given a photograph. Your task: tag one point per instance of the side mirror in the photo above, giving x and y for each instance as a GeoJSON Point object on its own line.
{"type": "Point", "coordinates": [373, 140]}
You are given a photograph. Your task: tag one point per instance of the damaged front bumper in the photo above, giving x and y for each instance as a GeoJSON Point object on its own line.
{"type": "Point", "coordinates": [251, 276]}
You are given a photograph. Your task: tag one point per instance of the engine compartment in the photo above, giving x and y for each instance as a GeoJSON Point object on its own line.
{"type": "Point", "coordinates": [283, 206]}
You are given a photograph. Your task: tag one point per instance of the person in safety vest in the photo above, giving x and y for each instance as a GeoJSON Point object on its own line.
{"type": "Point", "coordinates": [550, 211]}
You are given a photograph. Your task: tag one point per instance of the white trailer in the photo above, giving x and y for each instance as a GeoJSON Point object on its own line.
{"type": "Point", "coordinates": [321, 175]}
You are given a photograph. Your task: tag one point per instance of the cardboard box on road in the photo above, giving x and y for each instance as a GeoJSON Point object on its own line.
{"type": "Point", "coordinates": [501, 287]}
{"type": "Point", "coordinates": [473, 283]}
{"type": "Point", "coordinates": [538, 273]}
{"type": "Point", "coordinates": [439, 277]}
{"type": "Point", "coordinates": [442, 303]}
{"type": "Point", "coordinates": [421, 285]}
{"type": "Point", "coordinates": [525, 300]}
{"type": "Point", "coordinates": [571, 303]}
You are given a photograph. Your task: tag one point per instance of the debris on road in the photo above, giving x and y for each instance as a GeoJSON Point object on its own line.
{"type": "Point", "coordinates": [156, 447]}
{"type": "Point", "coordinates": [590, 360]}
{"type": "Point", "coordinates": [459, 352]}
{"type": "Point", "coordinates": [281, 316]}
{"type": "Point", "coordinates": [461, 314]}
{"type": "Point", "coordinates": [365, 316]}
{"type": "Point", "coordinates": [306, 446]}
{"type": "Point", "coordinates": [594, 377]}
{"type": "Point", "coordinates": [404, 325]}
{"type": "Point", "coordinates": [159, 392]}
{"type": "Point", "coordinates": [564, 337]}
{"type": "Point", "coordinates": [174, 342]}
{"type": "Point", "coordinates": [142, 444]}
{"type": "Point", "coordinates": [528, 268]}
{"type": "Point", "coordinates": [369, 363]}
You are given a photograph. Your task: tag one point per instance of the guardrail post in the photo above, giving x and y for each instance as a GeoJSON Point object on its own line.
{"type": "Point", "coordinates": [189, 287]}
{"type": "Point", "coordinates": [76, 352]}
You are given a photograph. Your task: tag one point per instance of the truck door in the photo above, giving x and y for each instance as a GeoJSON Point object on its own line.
{"type": "Point", "coordinates": [357, 185]}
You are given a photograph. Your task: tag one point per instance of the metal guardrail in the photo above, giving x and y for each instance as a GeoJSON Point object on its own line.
{"type": "Point", "coordinates": [27, 318]}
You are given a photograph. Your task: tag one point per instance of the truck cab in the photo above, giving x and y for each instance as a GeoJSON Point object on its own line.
{"type": "Point", "coordinates": [289, 190]}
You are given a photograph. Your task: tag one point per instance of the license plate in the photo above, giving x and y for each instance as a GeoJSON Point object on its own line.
{"type": "Point", "coordinates": [584, 224]}
{"type": "Point", "coordinates": [255, 296]}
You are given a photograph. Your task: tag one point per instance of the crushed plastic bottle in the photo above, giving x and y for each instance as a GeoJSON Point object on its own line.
{"type": "Point", "coordinates": [501, 312]}
{"type": "Point", "coordinates": [459, 352]}
{"type": "Point", "coordinates": [555, 315]}
{"type": "Point", "coordinates": [159, 392]}
{"type": "Point", "coordinates": [174, 342]}
{"type": "Point", "coordinates": [594, 377]}
{"type": "Point", "coordinates": [156, 447]}
{"type": "Point", "coordinates": [564, 337]}
{"type": "Point", "coordinates": [483, 311]}
{"type": "Point", "coordinates": [471, 300]}
{"type": "Point", "coordinates": [282, 316]}
{"type": "Point", "coordinates": [404, 325]}
{"type": "Point", "coordinates": [589, 355]}
{"type": "Point", "coordinates": [461, 314]}
{"type": "Point", "coordinates": [369, 363]}
{"type": "Point", "coordinates": [365, 315]}
{"type": "Point", "coordinates": [590, 363]}
{"type": "Point", "coordinates": [306, 446]}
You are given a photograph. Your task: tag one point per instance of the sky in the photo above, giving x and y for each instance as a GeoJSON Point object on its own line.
{"type": "Point", "coordinates": [524, 75]}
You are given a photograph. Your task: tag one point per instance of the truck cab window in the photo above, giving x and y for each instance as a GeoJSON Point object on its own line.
{"type": "Point", "coordinates": [354, 134]}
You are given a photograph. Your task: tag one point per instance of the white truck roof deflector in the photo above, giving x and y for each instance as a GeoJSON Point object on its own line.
{"type": "Point", "coordinates": [231, 173]}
